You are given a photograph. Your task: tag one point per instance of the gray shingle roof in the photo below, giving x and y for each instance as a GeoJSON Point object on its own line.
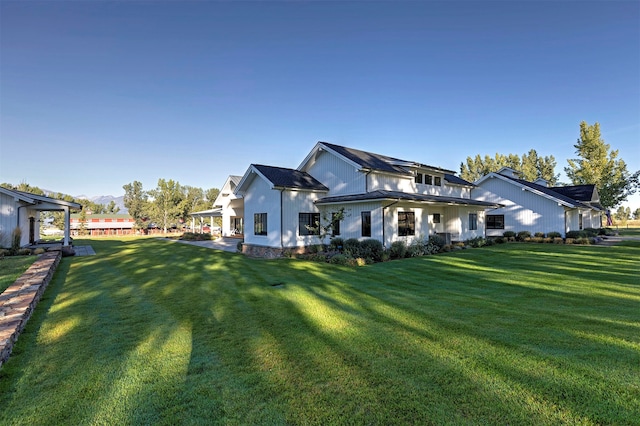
{"type": "Point", "coordinates": [576, 192]}
{"type": "Point", "coordinates": [404, 196]}
{"type": "Point", "coordinates": [369, 160]}
{"type": "Point", "coordinates": [552, 192]}
{"type": "Point", "coordinates": [456, 180]}
{"type": "Point", "coordinates": [290, 178]}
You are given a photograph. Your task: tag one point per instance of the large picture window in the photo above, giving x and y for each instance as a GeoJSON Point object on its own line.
{"type": "Point", "coordinates": [260, 224]}
{"type": "Point", "coordinates": [495, 221]}
{"type": "Point", "coordinates": [308, 224]}
{"type": "Point", "coordinates": [473, 221]}
{"type": "Point", "coordinates": [406, 223]}
{"type": "Point", "coordinates": [366, 224]}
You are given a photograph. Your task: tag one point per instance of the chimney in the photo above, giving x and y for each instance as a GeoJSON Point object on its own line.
{"type": "Point", "coordinates": [541, 182]}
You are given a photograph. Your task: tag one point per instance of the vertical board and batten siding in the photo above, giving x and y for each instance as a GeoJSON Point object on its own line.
{"type": "Point", "coordinates": [337, 175]}
{"type": "Point", "coordinates": [294, 203]}
{"type": "Point", "coordinates": [465, 232]}
{"type": "Point", "coordinates": [351, 225]}
{"type": "Point", "coordinates": [523, 211]}
{"type": "Point", "coordinates": [452, 191]}
{"type": "Point", "coordinates": [390, 182]}
{"type": "Point", "coordinates": [10, 208]}
{"type": "Point", "coordinates": [260, 198]}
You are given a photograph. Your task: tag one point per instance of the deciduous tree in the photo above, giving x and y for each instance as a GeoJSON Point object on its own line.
{"type": "Point", "coordinates": [136, 201]}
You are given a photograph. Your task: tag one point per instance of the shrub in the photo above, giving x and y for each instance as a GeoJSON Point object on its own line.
{"type": "Point", "coordinates": [422, 247]}
{"type": "Point", "coordinates": [352, 247]}
{"type": "Point", "coordinates": [239, 246]}
{"type": "Point", "coordinates": [548, 240]}
{"type": "Point", "coordinates": [476, 242]}
{"type": "Point", "coordinates": [39, 251]}
{"type": "Point", "coordinates": [339, 259]}
{"type": "Point", "coordinates": [24, 252]}
{"type": "Point", "coordinates": [522, 235]}
{"type": "Point", "coordinates": [16, 236]}
{"type": "Point", "coordinates": [554, 235]}
{"type": "Point", "coordinates": [569, 240]}
{"type": "Point", "coordinates": [371, 249]}
{"type": "Point", "coordinates": [489, 242]}
{"type": "Point", "coordinates": [591, 232]}
{"type": "Point", "coordinates": [336, 244]}
{"type": "Point", "coordinates": [539, 235]}
{"type": "Point", "coordinates": [398, 250]}
{"type": "Point", "coordinates": [558, 240]}
{"type": "Point", "coordinates": [509, 234]}
{"type": "Point", "coordinates": [437, 241]}
{"type": "Point", "coordinates": [576, 234]}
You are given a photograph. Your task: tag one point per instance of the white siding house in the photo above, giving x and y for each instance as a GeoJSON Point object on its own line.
{"type": "Point", "coordinates": [535, 207]}
{"type": "Point", "coordinates": [22, 210]}
{"type": "Point", "coordinates": [382, 198]}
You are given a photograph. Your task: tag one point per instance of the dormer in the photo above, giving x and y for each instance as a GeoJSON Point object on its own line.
{"type": "Point", "coordinates": [509, 172]}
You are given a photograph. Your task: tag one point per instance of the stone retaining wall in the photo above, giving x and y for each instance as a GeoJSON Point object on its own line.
{"type": "Point", "coordinates": [19, 300]}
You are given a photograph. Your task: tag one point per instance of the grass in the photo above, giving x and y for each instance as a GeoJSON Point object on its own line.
{"type": "Point", "coordinates": [155, 332]}
{"type": "Point", "coordinates": [11, 267]}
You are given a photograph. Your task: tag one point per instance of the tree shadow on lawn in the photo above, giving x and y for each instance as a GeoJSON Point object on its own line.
{"type": "Point", "coordinates": [178, 334]}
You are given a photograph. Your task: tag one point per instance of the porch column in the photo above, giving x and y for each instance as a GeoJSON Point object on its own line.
{"type": "Point", "coordinates": [211, 225]}
{"type": "Point", "coordinates": [193, 224]}
{"type": "Point", "coordinates": [67, 226]}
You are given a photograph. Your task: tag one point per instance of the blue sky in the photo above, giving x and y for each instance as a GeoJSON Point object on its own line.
{"type": "Point", "coordinates": [94, 95]}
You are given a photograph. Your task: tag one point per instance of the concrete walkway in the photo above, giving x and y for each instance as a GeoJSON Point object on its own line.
{"type": "Point", "coordinates": [225, 244]}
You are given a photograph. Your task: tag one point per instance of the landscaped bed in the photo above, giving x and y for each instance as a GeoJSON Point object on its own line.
{"type": "Point", "coordinates": [156, 333]}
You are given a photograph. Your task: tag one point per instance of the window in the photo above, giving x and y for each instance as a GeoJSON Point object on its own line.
{"type": "Point", "coordinates": [436, 218]}
{"type": "Point", "coordinates": [428, 179]}
{"type": "Point", "coordinates": [495, 221]}
{"type": "Point", "coordinates": [473, 221]}
{"type": "Point", "coordinates": [406, 223]}
{"type": "Point", "coordinates": [418, 177]}
{"type": "Point", "coordinates": [335, 224]}
{"type": "Point", "coordinates": [260, 224]}
{"type": "Point", "coordinates": [366, 224]}
{"type": "Point", "coordinates": [437, 181]}
{"type": "Point", "coordinates": [308, 224]}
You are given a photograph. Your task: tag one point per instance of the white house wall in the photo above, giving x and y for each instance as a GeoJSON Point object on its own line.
{"type": "Point", "coordinates": [260, 198]}
{"type": "Point", "coordinates": [295, 202]}
{"type": "Point", "coordinates": [523, 211]}
{"type": "Point", "coordinates": [389, 182]}
{"type": "Point", "coordinates": [8, 218]}
{"type": "Point", "coordinates": [339, 176]}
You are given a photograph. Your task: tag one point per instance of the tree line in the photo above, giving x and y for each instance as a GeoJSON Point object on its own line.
{"type": "Point", "coordinates": [168, 205]}
{"type": "Point", "coordinates": [596, 164]}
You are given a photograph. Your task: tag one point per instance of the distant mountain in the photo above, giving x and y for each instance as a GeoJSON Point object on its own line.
{"type": "Point", "coordinates": [106, 199]}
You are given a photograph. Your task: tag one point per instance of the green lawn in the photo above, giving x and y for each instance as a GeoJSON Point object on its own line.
{"type": "Point", "coordinates": [11, 267]}
{"type": "Point", "coordinates": [156, 332]}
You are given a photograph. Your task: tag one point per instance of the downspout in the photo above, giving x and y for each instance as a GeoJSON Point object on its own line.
{"type": "Point", "coordinates": [282, 219]}
{"type": "Point", "coordinates": [383, 227]}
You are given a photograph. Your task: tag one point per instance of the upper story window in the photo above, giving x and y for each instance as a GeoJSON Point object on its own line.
{"type": "Point", "coordinates": [437, 181]}
{"type": "Point", "coordinates": [428, 179]}
{"type": "Point", "coordinates": [418, 178]}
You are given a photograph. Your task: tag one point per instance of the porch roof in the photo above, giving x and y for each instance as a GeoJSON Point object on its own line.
{"type": "Point", "coordinates": [208, 213]}
{"type": "Point", "coordinates": [380, 195]}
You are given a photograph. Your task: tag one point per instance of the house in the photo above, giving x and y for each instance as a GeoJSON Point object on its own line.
{"type": "Point", "coordinates": [103, 224]}
{"type": "Point", "coordinates": [379, 197]}
{"type": "Point", "coordinates": [536, 207]}
{"type": "Point", "coordinates": [227, 206]}
{"type": "Point", "coordinates": [22, 210]}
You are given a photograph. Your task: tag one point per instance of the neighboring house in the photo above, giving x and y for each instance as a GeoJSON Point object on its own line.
{"type": "Point", "coordinates": [536, 207]}
{"type": "Point", "coordinates": [103, 224]}
{"type": "Point", "coordinates": [227, 206]}
{"type": "Point", "coordinates": [22, 210]}
{"type": "Point", "coordinates": [384, 198]}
